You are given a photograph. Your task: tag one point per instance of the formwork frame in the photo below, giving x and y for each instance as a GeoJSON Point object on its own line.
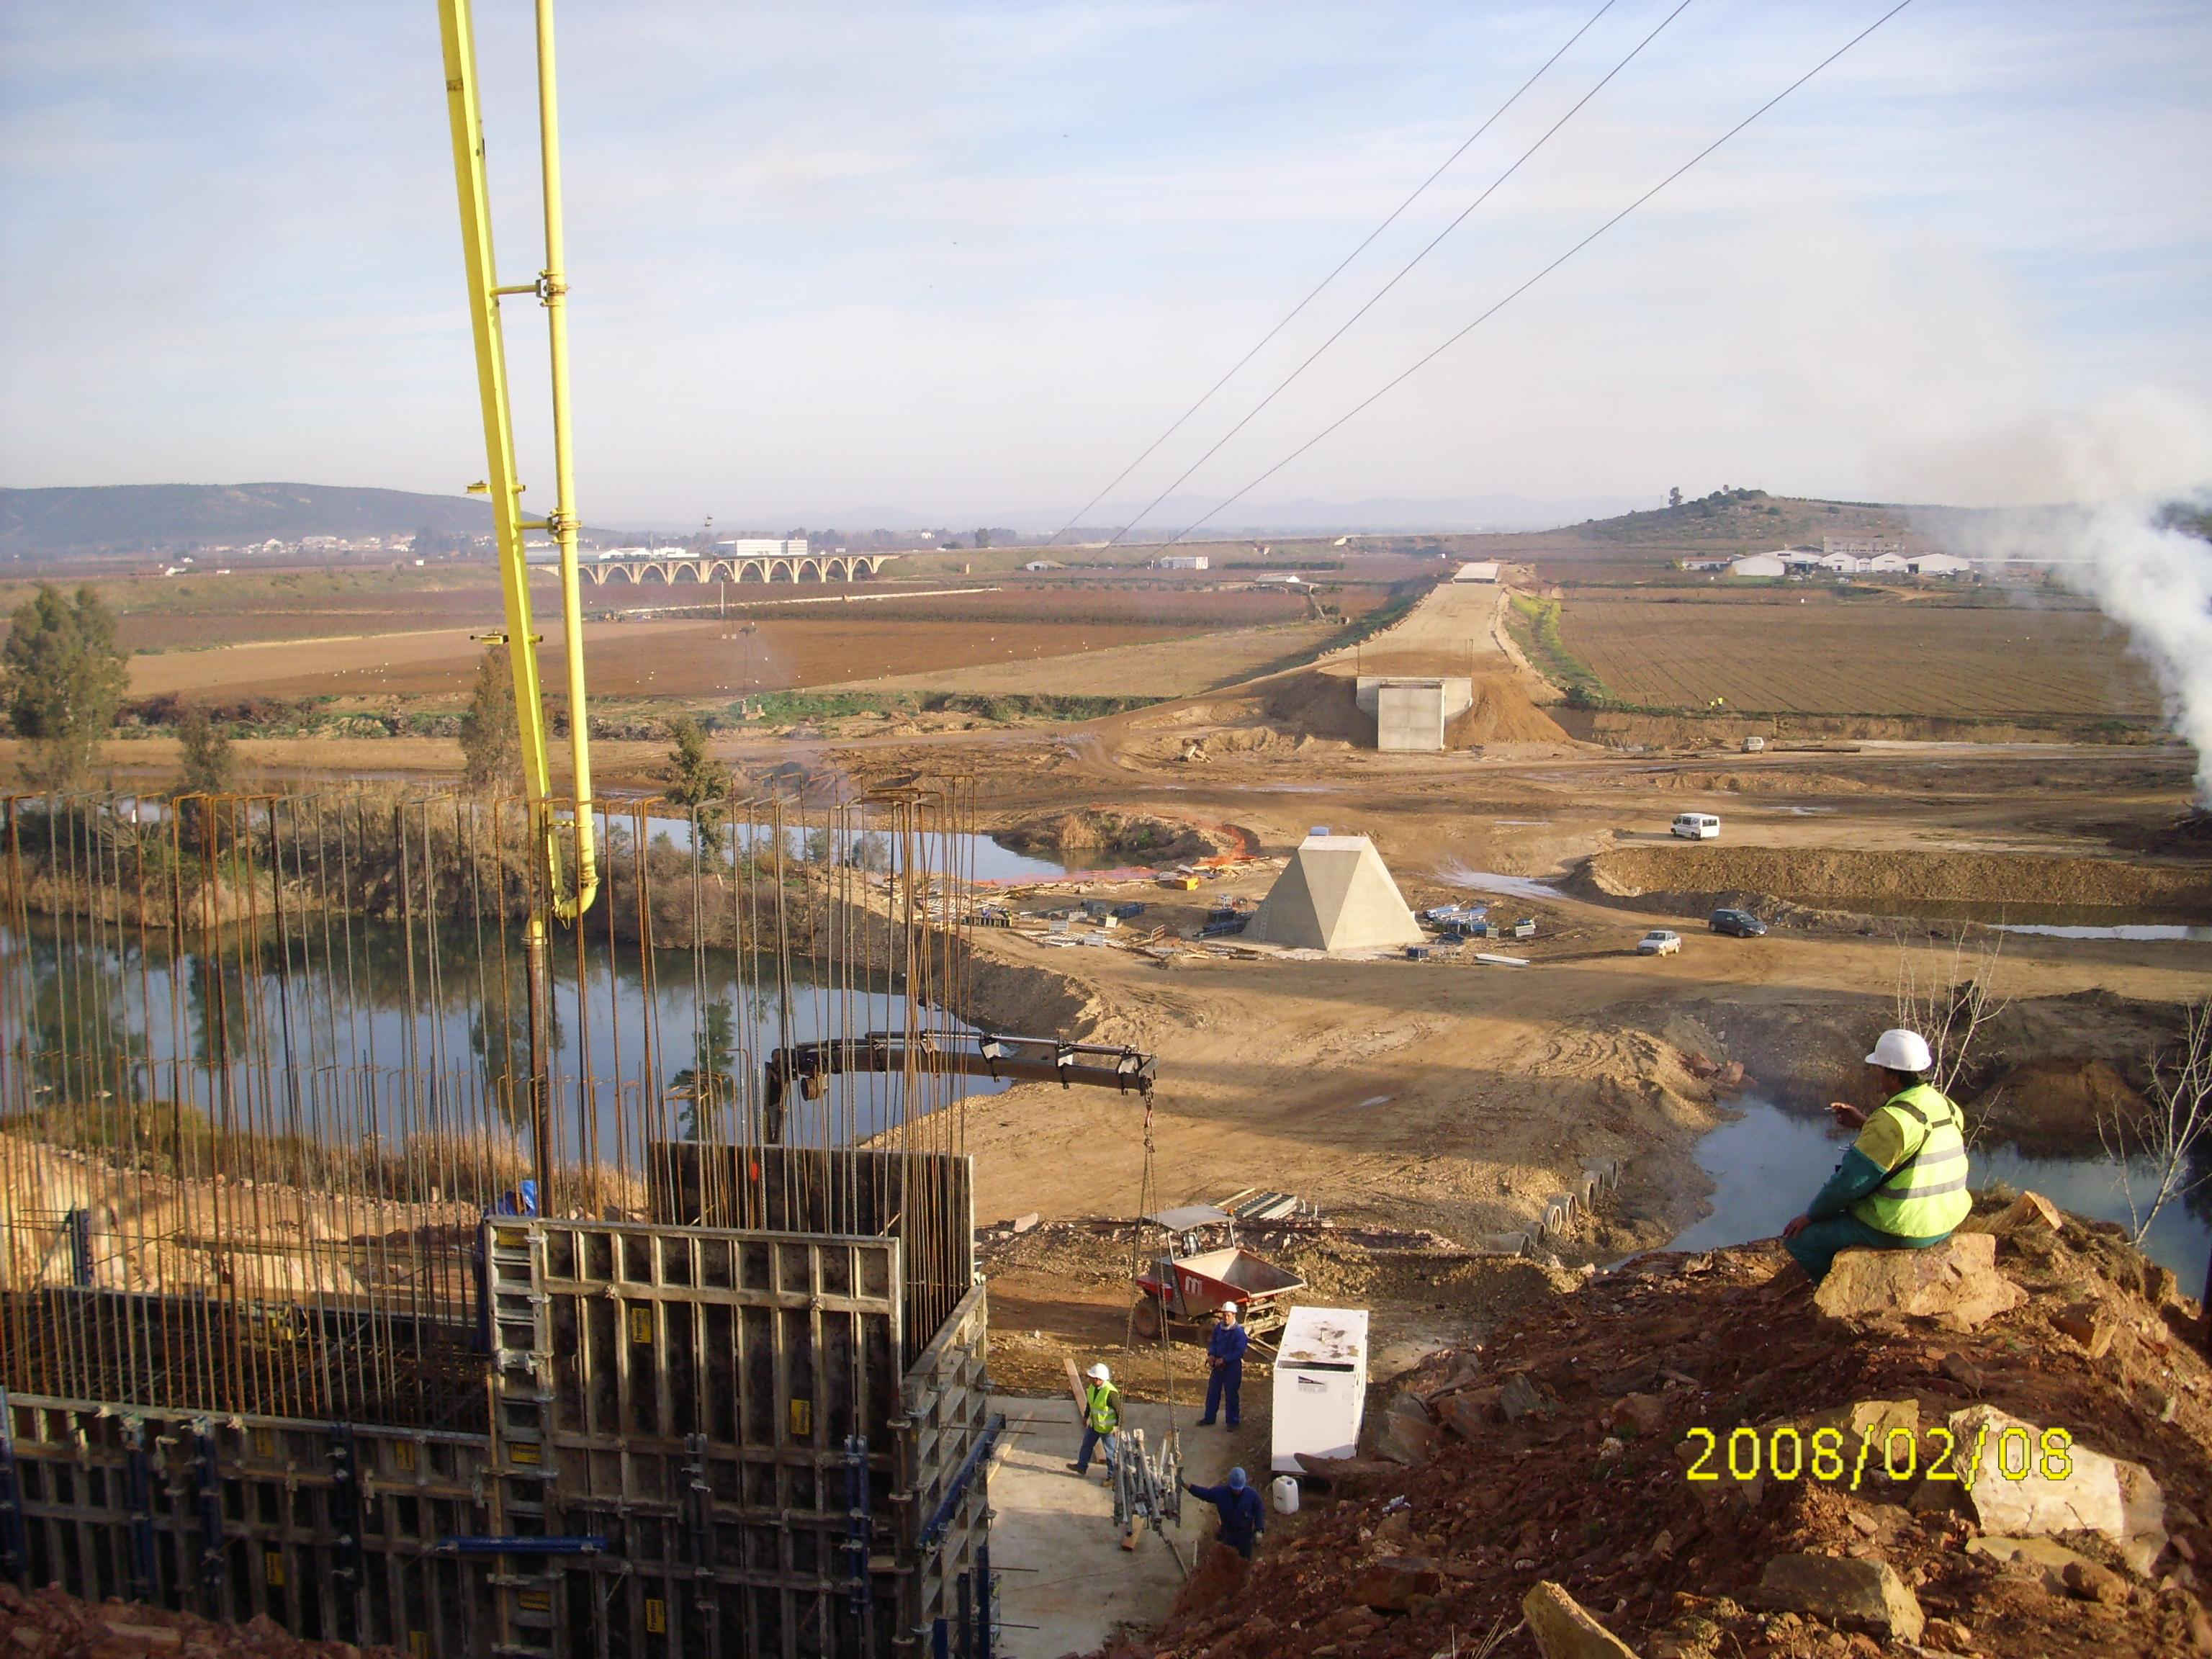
{"type": "Point", "coordinates": [703, 1442]}
{"type": "Point", "coordinates": [266, 1359]}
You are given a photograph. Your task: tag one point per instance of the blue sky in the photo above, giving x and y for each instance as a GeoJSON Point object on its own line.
{"type": "Point", "coordinates": [832, 263]}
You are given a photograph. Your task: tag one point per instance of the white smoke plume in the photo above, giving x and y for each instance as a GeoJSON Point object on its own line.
{"type": "Point", "coordinates": [2118, 470]}
{"type": "Point", "coordinates": [2156, 581]}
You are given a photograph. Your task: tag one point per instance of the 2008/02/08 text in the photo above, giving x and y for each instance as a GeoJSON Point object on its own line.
{"type": "Point", "coordinates": [1781, 1453]}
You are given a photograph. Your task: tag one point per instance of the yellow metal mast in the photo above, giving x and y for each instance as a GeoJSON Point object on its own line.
{"type": "Point", "coordinates": [552, 289]}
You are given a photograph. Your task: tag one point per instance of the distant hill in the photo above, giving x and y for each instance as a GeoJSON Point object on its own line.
{"type": "Point", "coordinates": [124, 516]}
{"type": "Point", "coordinates": [1726, 521]}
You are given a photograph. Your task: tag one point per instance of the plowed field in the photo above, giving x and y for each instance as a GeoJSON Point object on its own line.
{"type": "Point", "coordinates": [1873, 657]}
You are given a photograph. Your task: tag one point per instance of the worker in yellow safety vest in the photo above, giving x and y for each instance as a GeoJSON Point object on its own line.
{"type": "Point", "coordinates": [1902, 1185]}
{"type": "Point", "coordinates": [1101, 1415]}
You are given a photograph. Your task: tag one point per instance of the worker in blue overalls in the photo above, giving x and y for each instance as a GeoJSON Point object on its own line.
{"type": "Point", "coordinates": [1224, 1351]}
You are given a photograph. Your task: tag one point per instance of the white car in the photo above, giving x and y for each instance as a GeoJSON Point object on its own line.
{"type": "Point", "coordinates": [1659, 943]}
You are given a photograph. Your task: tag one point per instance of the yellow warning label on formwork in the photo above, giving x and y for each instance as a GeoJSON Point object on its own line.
{"type": "Point", "coordinates": [641, 1324]}
{"type": "Point", "coordinates": [272, 1568]}
{"type": "Point", "coordinates": [656, 1616]}
{"type": "Point", "coordinates": [802, 1419]}
{"type": "Point", "coordinates": [523, 1451]}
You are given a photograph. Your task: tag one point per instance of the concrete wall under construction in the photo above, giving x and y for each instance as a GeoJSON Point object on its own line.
{"type": "Point", "coordinates": [1410, 715]}
{"type": "Point", "coordinates": [702, 1440]}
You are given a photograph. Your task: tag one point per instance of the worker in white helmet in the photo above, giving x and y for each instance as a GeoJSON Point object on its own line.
{"type": "Point", "coordinates": [1101, 1415]}
{"type": "Point", "coordinates": [1902, 1183]}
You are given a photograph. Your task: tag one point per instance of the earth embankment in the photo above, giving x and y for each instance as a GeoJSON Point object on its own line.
{"type": "Point", "coordinates": [1686, 879]}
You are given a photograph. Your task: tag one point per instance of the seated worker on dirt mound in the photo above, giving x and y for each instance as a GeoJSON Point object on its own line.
{"type": "Point", "coordinates": [1902, 1183]}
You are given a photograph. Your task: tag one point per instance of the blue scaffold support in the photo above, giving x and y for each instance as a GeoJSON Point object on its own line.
{"type": "Point", "coordinates": [138, 1494]}
{"type": "Point", "coordinates": [934, 1532]}
{"type": "Point", "coordinates": [859, 1525]}
{"type": "Point", "coordinates": [14, 1551]}
{"type": "Point", "coordinates": [940, 1640]}
{"type": "Point", "coordinates": [345, 1515]}
{"type": "Point", "coordinates": [986, 1642]}
{"type": "Point", "coordinates": [207, 1483]}
{"type": "Point", "coordinates": [552, 1543]}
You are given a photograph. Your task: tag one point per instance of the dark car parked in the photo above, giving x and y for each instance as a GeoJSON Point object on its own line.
{"type": "Point", "coordinates": [1742, 923]}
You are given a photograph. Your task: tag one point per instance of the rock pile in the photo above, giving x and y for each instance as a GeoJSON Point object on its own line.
{"type": "Point", "coordinates": [1688, 1458]}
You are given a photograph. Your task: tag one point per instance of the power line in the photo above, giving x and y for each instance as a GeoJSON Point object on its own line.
{"type": "Point", "coordinates": [1422, 362]}
{"type": "Point", "coordinates": [1285, 383]}
{"type": "Point", "coordinates": [1314, 293]}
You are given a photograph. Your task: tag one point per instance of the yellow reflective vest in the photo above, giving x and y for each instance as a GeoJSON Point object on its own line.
{"type": "Point", "coordinates": [1925, 1195]}
{"type": "Point", "coordinates": [1101, 1408]}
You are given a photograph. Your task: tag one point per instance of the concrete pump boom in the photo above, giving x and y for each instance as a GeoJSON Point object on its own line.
{"type": "Point", "coordinates": [565, 898]}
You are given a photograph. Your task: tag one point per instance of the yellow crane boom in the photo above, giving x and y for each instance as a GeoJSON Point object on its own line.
{"type": "Point", "coordinates": [561, 522]}
{"type": "Point", "coordinates": [553, 895]}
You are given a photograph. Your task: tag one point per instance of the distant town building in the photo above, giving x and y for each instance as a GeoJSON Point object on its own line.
{"type": "Point", "coordinates": [1758, 564]}
{"type": "Point", "coordinates": [1941, 564]}
{"type": "Point", "coordinates": [1888, 564]}
{"type": "Point", "coordinates": [1705, 564]}
{"type": "Point", "coordinates": [1480, 571]}
{"type": "Point", "coordinates": [1042, 564]}
{"type": "Point", "coordinates": [1280, 579]}
{"type": "Point", "coordinates": [1844, 564]}
{"type": "Point", "coordinates": [1184, 562]}
{"type": "Point", "coordinates": [1859, 547]}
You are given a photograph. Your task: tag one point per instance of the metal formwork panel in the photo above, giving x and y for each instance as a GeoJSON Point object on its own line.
{"type": "Point", "coordinates": [703, 1442]}
{"type": "Point", "coordinates": [328, 1529]}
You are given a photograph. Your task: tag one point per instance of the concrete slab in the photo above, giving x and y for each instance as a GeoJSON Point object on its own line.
{"type": "Point", "coordinates": [1063, 1569]}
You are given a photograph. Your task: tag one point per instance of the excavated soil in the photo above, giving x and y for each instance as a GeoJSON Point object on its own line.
{"type": "Point", "coordinates": [1589, 1488]}
{"type": "Point", "coordinates": [1123, 836]}
{"type": "Point", "coordinates": [1687, 878]}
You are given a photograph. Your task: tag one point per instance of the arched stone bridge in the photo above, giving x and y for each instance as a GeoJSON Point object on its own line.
{"type": "Point", "coordinates": [777, 568]}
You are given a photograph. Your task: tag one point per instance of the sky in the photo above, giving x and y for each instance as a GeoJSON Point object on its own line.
{"type": "Point", "coordinates": [832, 265]}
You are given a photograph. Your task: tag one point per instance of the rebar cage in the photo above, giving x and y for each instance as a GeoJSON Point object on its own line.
{"type": "Point", "coordinates": [343, 1250]}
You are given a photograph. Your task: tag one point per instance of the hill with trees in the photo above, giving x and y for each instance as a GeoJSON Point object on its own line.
{"type": "Point", "coordinates": [127, 517]}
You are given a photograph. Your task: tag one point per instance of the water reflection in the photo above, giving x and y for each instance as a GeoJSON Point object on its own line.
{"type": "Point", "coordinates": [361, 1031]}
{"type": "Point", "coordinates": [1767, 1165]}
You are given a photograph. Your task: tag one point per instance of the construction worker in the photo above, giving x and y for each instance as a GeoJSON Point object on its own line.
{"type": "Point", "coordinates": [1101, 1415]}
{"type": "Point", "coordinates": [1902, 1183]}
{"type": "Point", "coordinates": [1244, 1517]}
{"type": "Point", "coordinates": [1224, 1352]}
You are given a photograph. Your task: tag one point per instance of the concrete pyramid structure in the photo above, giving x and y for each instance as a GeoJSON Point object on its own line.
{"type": "Point", "coordinates": [1335, 894]}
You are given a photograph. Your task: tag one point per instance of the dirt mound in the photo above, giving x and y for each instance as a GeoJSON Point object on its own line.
{"type": "Point", "coordinates": [1691, 879]}
{"type": "Point", "coordinates": [1563, 1449]}
{"type": "Point", "coordinates": [1318, 705]}
{"type": "Point", "coordinates": [2060, 1100]}
{"type": "Point", "coordinates": [1501, 713]}
{"type": "Point", "coordinates": [49, 1622]}
{"type": "Point", "coordinates": [1121, 836]}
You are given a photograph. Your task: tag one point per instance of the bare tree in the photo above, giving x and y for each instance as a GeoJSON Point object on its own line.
{"type": "Point", "coordinates": [1950, 998]}
{"type": "Point", "coordinates": [2176, 1119]}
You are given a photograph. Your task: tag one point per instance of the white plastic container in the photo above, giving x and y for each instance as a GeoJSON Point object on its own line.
{"type": "Point", "coordinates": [1320, 1385]}
{"type": "Point", "coordinates": [1285, 1491]}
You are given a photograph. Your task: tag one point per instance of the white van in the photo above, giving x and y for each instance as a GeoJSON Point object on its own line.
{"type": "Point", "coordinates": [1698, 826]}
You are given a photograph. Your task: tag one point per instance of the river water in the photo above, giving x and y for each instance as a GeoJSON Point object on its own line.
{"type": "Point", "coordinates": [371, 1031]}
{"type": "Point", "coordinates": [1767, 1164]}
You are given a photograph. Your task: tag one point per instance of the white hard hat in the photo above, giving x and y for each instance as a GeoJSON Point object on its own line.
{"type": "Point", "coordinates": [1901, 1051]}
{"type": "Point", "coordinates": [1099, 1374]}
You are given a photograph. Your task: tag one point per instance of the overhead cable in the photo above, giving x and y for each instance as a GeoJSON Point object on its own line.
{"type": "Point", "coordinates": [1422, 362]}
{"type": "Point", "coordinates": [1284, 385]}
{"type": "Point", "coordinates": [1314, 293]}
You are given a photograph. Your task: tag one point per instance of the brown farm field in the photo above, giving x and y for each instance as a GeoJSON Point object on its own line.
{"type": "Point", "coordinates": [1887, 657]}
{"type": "Point", "coordinates": [680, 659]}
